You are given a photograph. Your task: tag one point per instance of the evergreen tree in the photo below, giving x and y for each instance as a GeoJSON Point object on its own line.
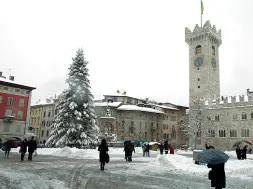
{"type": "Point", "coordinates": [75, 124]}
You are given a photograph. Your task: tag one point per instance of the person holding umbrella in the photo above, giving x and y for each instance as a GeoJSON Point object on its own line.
{"type": "Point", "coordinates": [103, 154]}
{"type": "Point", "coordinates": [8, 146]}
{"type": "Point", "coordinates": [32, 146]}
{"type": "Point", "coordinates": [238, 152]}
{"type": "Point", "coordinates": [23, 148]}
{"type": "Point", "coordinates": [217, 175]}
{"type": "Point", "coordinates": [244, 152]}
{"type": "Point", "coordinates": [215, 160]}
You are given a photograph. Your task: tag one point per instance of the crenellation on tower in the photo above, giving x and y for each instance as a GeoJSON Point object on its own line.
{"type": "Point", "coordinates": [207, 32]}
{"type": "Point", "coordinates": [229, 101]}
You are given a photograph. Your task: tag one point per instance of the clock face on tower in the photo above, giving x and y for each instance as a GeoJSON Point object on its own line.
{"type": "Point", "coordinates": [213, 62]}
{"type": "Point", "coordinates": [198, 61]}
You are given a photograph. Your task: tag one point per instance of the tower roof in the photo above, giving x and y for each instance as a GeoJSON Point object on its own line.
{"type": "Point", "coordinates": [207, 31]}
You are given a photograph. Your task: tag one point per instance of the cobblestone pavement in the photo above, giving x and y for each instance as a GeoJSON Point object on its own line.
{"type": "Point", "coordinates": [51, 172]}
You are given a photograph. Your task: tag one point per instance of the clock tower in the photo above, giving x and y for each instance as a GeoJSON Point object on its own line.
{"type": "Point", "coordinates": [204, 70]}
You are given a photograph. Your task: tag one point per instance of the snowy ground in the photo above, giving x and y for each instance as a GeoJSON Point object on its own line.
{"type": "Point", "coordinates": [72, 168]}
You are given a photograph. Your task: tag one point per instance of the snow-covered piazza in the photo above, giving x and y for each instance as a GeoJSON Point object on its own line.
{"type": "Point", "coordinates": [67, 168]}
{"type": "Point", "coordinates": [81, 136]}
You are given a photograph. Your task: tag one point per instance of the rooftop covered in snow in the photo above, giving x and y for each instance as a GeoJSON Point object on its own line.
{"type": "Point", "coordinates": [164, 107]}
{"type": "Point", "coordinates": [44, 102]}
{"type": "Point", "coordinates": [4, 81]}
{"type": "Point", "coordinates": [137, 108]}
{"type": "Point", "coordinates": [110, 104]}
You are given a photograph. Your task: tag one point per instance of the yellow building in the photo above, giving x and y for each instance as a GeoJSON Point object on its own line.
{"type": "Point", "coordinates": [36, 119]}
{"type": "Point", "coordinates": [169, 123]}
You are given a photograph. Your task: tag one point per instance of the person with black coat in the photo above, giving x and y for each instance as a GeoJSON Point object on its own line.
{"type": "Point", "coordinates": [8, 145]}
{"type": "Point", "coordinates": [103, 149]}
{"type": "Point", "coordinates": [207, 147]}
{"type": "Point", "coordinates": [147, 150]}
{"type": "Point", "coordinates": [129, 149]}
{"type": "Point", "coordinates": [244, 152]}
{"type": "Point", "coordinates": [166, 146]}
{"type": "Point", "coordinates": [161, 147]}
{"type": "Point", "coordinates": [32, 146]}
{"type": "Point", "coordinates": [23, 148]}
{"type": "Point", "coordinates": [217, 176]}
{"type": "Point", "coordinates": [238, 152]}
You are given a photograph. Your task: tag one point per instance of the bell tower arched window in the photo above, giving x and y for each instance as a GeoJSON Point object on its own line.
{"type": "Point", "coordinates": [213, 51]}
{"type": "Point", "coordinates": [198, 49]}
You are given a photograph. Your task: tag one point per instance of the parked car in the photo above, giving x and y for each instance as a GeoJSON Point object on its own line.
{"type": "Point", "coordinates": [41, 146]}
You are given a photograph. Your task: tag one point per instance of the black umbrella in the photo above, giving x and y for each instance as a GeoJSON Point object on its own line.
{"type": "Point", "coordinates": [238, 143]}
{"type": "Point", "coordinates": [213, 157]}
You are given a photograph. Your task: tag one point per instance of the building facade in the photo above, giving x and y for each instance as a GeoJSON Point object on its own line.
{"type": "Point", "coordinates": [36, 119]}
{"type": "Point", "coordinates": [42, 114]}
{"type": "Point", "coordinates": [219, 120]}
{"type": "Point", "coordinates": [140, 119]}
{"type": "Point", "coordinates": [47, 120]}
{"type": "Point", "coordinates": [15, 102]}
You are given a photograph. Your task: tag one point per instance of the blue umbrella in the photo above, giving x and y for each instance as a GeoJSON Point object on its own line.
{"type": "Point", "coordinates": [212, 157]}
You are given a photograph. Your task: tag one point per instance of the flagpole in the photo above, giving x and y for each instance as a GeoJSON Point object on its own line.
{"type": "Point", "coordinates": [201, 13]}
{"type": "Point", "coordinates": [201, 20]}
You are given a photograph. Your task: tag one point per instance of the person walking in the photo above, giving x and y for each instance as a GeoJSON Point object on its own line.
{"type": "Point", "coordinates": [217, 176]}
{"type": "Point", "coordinates": [103, 150]}
{"type": "Point", "coordinates": [244, 152]}
{"type": "Point", "coordinates": [238, 153]}
{"type": "Point", "coordinates": [32, 146]}
{"type": "Point", "coordinates": [171, 150]}
{"type": "Point", "coordinates": [144, 149]}
{"type": "Point", "coordinates": [23, 148]}
{"type": "Point", "coordinates": [8, 145]}
{"type": "Point", "coordinates": [147, 150]}
{"type": "Point", "coordinates": [161, 147]}
{"type": "Point", "coordinates": [166, 146]}
{"type": "Point", "coordinates": [129, 149]}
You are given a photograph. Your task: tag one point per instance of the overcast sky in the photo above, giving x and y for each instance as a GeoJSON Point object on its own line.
{"type": "Point", "coordinates": [135, 45]}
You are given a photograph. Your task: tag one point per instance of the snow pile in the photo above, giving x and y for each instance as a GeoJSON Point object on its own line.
{"type": "Point", "coordinates": [233, 154]}
{"type": "Point", "coordinates": [183, 163]}
{"type": "Point", "coordinates": [81, 153]}
{"type": "Point", "coordinates": [67, 152]}
{"type": "Point", "coordinates": [184, 152]}
{"type": "Point", "coordinates": [234, 168]}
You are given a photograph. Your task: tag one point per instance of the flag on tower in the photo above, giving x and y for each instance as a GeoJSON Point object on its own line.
{"type": "Point", "coordinates": [202, 7]}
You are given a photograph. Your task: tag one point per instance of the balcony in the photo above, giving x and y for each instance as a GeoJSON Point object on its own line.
{"type": "Point", "coordinates": [8, 118]}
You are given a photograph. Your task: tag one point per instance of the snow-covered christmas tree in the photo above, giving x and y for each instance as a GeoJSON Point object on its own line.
{"type": "Point", "coordinates": [75, 123]}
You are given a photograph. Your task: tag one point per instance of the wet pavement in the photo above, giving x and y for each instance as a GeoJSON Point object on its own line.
{"type": "Point", "coordinates": [51, 172]}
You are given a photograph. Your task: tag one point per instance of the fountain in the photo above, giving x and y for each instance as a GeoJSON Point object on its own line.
{"type": "Point", "coordinates": [108, 127]}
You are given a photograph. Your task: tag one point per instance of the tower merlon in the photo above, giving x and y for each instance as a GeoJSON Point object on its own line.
{"type": "Point", "coordinates": [229, 101]}
{"type": "Point", "coordinates": [207, 32]}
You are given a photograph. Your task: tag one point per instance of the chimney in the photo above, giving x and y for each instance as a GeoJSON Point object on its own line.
{"type": "Point", "coordinates": [48, 100]}
{"type": "Point", "coordinates": [110, 100]}
{"type": "Point", "coordinates": [11, 78]}
{"type": "Point", "coordinates": [1, 75]}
